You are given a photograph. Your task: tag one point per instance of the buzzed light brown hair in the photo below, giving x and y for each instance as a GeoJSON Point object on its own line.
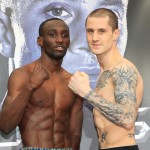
{"type": "Point", "coordinates": [103, 12]}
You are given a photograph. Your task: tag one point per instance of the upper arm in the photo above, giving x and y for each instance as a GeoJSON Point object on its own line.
{"type": "Point", "coordinates": [125, 78]}
{"type": "Point", "coordinates": [76, 119]}
{"type": "Point", "coordinates": [16, 82]}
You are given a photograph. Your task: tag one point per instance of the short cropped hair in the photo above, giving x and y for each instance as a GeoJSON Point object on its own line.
{"type": "Point", "coordinates": [41, 27]}
{"type": "Point", "coordinates": [103, 12]}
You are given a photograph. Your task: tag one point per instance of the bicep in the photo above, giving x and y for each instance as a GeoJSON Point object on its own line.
{"type": "Point", "coordinates": [125, 83]}
{"type": "Point", "coordinates": [16, 82]}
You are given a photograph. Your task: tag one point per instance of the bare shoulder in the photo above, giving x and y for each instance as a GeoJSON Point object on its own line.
{"type": "Point", "coordinates": [125, 74]}
{"type": "Point", "coordinates": [66, 74]}
{"type": "Point", "coordinates": [20, 76]}
{"type": "Point", "coordinates": [127, 67]}
{"type": "Point", "coordinates": [20, 73]}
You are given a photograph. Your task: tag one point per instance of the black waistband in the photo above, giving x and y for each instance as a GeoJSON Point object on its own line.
{"type": "Point", "coordinates": [132, 147]}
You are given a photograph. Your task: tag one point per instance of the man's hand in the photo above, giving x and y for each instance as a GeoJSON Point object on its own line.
{"type": "Point", "coordinates": [38, 76]}
{"type": "Point", "coordinates": [80, 83]}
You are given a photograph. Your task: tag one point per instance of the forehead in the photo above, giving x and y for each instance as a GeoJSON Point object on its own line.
{"type": "Point", "coordinates": [119, 2]}
{"type": "Point", "coordinates": [97, 22]}
{"type": "Point", "coordinates": [56, 24]}
{"type": "Point", "coordinates": [21, 6]}
{"type": "Point", "coordinates": [88, 3]}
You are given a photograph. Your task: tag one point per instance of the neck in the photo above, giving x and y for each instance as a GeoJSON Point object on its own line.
{"type": "Point", "coordinates": [53, 66]}
{"type": "Point", "coordinates": [109, 59]}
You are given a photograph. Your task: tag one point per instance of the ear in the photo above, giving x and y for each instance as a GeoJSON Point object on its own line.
{"type": "Point", "coordinates": [40, 41]}
{"type": "Point", "coordinates": [116, 34]}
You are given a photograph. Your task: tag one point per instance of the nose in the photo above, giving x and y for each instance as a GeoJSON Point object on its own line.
{"type": "Point", "coordinates": [95, 36]}
{"type": "Point", "coordinates": [59, 39]}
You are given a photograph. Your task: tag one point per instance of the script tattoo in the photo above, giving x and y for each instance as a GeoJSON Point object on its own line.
{"type": "Point", "coordinates": [103, 79]}
{"type": "Point", "coordinates": [123, 110]}
{"type": "Point", "coordinates": [131, 135]}
{"type": "Point", "coordinates": [103, 137]}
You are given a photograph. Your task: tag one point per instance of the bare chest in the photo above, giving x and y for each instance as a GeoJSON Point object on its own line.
{"type": "Point", "coordinates": [105, 86]}
{"type": "Point", "coordinates": [53, 93]}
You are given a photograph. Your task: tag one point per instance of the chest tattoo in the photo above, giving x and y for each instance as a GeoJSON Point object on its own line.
{"type": "Point", "coordinates": [103, 79]}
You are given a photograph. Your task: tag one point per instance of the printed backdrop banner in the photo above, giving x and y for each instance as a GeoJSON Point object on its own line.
{"type": "Point", "coordinates": [19, 22]}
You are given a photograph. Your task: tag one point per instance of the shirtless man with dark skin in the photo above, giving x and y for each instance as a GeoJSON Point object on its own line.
{"type": "Point", "coordinates": [39, 101]}
{"type": "Point", "coordinates": [119, 90]}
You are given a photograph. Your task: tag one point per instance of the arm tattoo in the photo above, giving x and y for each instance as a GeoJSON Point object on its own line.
{"type": "Point", "coordinates": [125, 80]}
{"type": "Point", "coordinates": [88, 95]}
{"type": "Point", "coordinates": [123, 110]}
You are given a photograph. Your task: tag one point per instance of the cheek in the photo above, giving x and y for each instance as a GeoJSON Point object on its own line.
{"type": "Point", "coordinates": [48, 43]}
{"type": "Point", "coordinates": [89, 39]}
{"type": "Point", "coordinates": [67, 42]}
{"type": "Point", "coordinates": [109, 44]}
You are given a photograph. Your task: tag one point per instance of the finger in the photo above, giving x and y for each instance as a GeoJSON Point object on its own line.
{"type": "Point", "coordinates": [82, 74]}
{"type": "Point", "coordinates": [77, 73]}
{"type": "Point", "coordinates": [70, 85]}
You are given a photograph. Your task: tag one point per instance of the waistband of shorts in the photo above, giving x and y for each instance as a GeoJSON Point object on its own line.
{"type": "Point", "coordinates": [130, 147]}
{"type": "Point", "coordinates": [37, 148]}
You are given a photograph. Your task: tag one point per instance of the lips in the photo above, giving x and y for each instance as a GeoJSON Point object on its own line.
{"type": "Point", "coordinates": [60, 47]}
{"type": "Point", "coordinates": [96, 46]}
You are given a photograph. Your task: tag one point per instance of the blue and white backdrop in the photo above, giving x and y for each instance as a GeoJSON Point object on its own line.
{"type": "Point", "coordinates": [19, 22]}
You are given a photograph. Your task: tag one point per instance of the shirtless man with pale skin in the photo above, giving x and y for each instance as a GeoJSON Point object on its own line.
{"type": "Point", "coordinates": [119, 90]}
{"type": "Point", "coordinates": [39, 101]}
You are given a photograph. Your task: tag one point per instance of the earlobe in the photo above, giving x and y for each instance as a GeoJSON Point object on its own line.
{"type": "Point", "coordinates": [40, 41]}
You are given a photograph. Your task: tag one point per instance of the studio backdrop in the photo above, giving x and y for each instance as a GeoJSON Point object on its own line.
{"type": "Point", "coordinates": [19, 22]}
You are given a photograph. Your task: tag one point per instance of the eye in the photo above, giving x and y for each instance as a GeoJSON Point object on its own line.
{"type": "Point", "coordinates": [52, 34]}
{"type": "Point", "coordinates": [89, 31]}
{"type": "Point", "coordinates": [65, 35]}
{"type": "Point", "coordinates": [101, 31]}
{"type": "Point", "coordinates": [60, 10]}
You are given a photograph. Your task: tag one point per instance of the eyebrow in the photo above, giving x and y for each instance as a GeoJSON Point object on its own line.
{"type": "Point", "coordinates": [116, 3]}
{"type": "Point", "coordinates": [53, 29]}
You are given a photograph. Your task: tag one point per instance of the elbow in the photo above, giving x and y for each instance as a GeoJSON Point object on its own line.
{"type": "Point", "coordinates": [5, 129]}
{"type": "Point", "coordinates": [129, 123]}
{"type": "Point", "coordinates": [129, 126]}
{"type": "Point", "coordinates": [5, 126]}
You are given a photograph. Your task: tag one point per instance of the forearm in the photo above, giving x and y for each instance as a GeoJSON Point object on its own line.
{"type": "Point", "coordinates": [75, 142]}
{"type": "Point", "coordinates": [12, 113]}
{"type": "Point", "coordinates": [122, 115]}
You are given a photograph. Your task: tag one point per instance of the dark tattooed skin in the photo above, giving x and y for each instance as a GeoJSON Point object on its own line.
{"type": "Point", "coordinates": [103, 137]}
{"type": "Point", "coordinates": [123, 111]}
{"type": "Point", "coordinates": [131, 135]}
{"type": "Point", "coordinates": [104, 78]}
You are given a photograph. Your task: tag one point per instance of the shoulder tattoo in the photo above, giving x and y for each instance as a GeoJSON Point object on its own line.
{"type": "Point", "coordinates": [103, 79]}
{"type": "Point", "coordinates": [125, 81]}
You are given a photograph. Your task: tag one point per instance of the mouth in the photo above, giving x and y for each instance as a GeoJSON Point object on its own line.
{"type": "Point", "coordinates": [60, 47]}
{"type": "Point", "coordinates": [96, 46]}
